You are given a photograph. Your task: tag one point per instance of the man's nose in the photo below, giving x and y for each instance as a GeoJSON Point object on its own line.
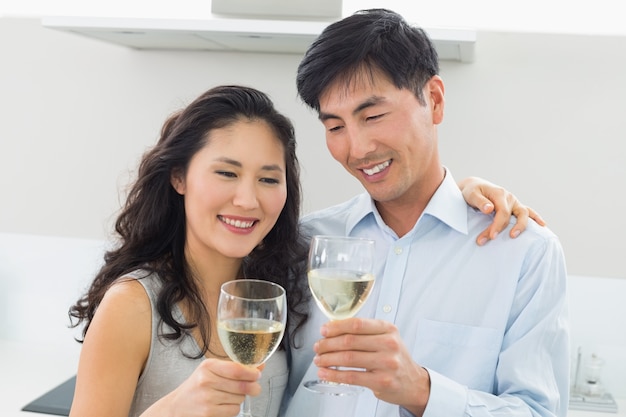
{"type": "Point", "coordinates": [361, 144]}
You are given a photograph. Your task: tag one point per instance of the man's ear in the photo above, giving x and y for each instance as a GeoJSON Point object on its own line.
{"type": "Point", "coordinates": [177, 179]}
{"type": "Point", "coordinates": [436, 91]}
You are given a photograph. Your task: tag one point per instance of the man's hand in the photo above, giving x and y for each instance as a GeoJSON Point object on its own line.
{"type": "Point", "coordinates": [383, 363]}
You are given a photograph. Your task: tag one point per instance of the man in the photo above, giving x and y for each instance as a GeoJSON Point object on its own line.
{"type": "Point", "coordinates": [451, 329]}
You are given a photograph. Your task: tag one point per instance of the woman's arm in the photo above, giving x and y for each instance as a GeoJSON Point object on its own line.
{"type": "Point", "coordinates": [113, 354]}
{"type": "Point", "coordinates": [488, 197]}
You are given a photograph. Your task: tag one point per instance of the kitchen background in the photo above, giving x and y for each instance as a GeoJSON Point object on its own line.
{"type": "Point", "coordinates": [539, 110]}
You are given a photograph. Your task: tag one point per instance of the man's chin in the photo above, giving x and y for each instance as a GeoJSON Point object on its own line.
{"type": "Point", "coordinates": [380, 194]}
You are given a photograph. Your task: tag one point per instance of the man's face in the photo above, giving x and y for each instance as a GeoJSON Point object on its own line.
{"type": "Point", "coordinates": [384, 137]}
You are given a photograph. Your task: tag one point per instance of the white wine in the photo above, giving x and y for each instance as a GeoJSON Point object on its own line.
{"type": "Point", "coordinates": [340, 293]}
{"type": "Point", "coordinates": [250, 341]}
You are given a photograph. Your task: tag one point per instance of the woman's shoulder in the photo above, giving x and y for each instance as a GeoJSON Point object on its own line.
{"type": "Point", "coordinates": [130, 296]}
{"type": "Point", "coordinates": [121, 327]}
{"type": "Point", "coordinates": [127, 295]}
{"type": "Point", "coordinates": [140, 283]}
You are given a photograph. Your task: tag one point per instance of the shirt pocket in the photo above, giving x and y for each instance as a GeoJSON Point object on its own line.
{"type": "Point", "coordinates": [466, 354]}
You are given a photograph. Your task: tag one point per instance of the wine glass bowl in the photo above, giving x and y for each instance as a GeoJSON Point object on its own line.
{"type": "Point", "coordinates": [340, 274]}
{"type": "Point", "coordinates": [341, 278]}
{"type": "Point", "coordinates": [251, 317]}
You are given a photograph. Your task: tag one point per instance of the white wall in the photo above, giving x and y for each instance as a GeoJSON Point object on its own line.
{"type": "Point", "coordinates": [541, 114]}
{"type": "Point", "coordinates": [78, 114]}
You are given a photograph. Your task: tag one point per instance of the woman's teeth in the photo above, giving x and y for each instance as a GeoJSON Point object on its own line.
{"type": "Point", "coordinates": [237, 223]}
{"type": "Point", "coordinates": [376, 169]}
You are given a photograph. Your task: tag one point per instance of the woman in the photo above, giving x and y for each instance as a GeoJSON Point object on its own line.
{"type": "Point", "coordinates": [217, 198]}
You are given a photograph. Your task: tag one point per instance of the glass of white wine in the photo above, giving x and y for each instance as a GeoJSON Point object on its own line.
{"type": "Point", "coordinates": [341, 278]}
{"type": "Point", "coordinates": [251, 317]}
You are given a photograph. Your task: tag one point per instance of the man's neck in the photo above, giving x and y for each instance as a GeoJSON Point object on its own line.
{"type": "Point", "coordinates": [401, 218]}
{"type": "Point", "coordinates": [401, 214]}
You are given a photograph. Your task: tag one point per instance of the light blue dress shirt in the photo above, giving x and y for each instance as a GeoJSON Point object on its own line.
{"type": "Point", "coordinates": [490, 324]}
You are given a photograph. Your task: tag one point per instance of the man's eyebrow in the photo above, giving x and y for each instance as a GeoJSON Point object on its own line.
{"type": "Point", "coordinates": [271, 167]}
{"type": "Point", "coordinates": [369, 102]}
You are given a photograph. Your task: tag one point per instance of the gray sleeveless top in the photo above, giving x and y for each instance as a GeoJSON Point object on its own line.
{"type": "Point", "coordinates": [167, 366]}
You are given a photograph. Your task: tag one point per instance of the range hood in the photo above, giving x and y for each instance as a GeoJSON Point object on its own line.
{"type": "Point", "coordinates": [216, 34]}
{"type": "Point", "coordinates": [329, 10]}
{"type": "Point", "coordinates": [274, 26]}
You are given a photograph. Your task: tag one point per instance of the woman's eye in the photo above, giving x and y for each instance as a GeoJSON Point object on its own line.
{"type": "Point", "coordinates": [227, 174]}
{"type": "Point", "coordinates": [270, 180]}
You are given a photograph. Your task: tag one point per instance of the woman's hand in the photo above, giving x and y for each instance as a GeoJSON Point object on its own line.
{"type": "Point", "coordinates": [487, 197]}
{"type": "Point", "coordinates": [215, 389]}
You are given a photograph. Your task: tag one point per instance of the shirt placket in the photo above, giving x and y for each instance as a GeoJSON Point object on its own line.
{"type": "Point", "coordinates": [387, 305]}
{"type": "Point", "coordinates": [395, 268]}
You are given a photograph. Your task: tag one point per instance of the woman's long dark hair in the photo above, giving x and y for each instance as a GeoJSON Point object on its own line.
{"type": "Point", "coordinates": [151, 226]}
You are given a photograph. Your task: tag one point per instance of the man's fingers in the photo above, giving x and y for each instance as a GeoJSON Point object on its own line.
{"type": "Point", "coordinates": [356, 326]}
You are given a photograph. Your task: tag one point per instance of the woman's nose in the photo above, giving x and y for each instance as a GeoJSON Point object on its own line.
{"type": "Point", "coordinates": [246, 196]}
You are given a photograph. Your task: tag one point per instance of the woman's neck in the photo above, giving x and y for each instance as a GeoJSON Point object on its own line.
{"type": "Point", "coordinates": [211, 269]}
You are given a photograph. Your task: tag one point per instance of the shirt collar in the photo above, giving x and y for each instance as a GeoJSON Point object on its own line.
{"type": "Point", "coordinates": [447, 205]}
{"type": "Point", "coordinates": [364, 206]}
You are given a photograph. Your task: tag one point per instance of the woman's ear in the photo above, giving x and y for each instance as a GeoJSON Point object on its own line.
{"type": "Point", "coordinates": [177, 179]}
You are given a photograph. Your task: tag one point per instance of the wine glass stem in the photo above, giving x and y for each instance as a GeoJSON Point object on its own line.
{"type": "Point", "coordinates": [245, 408]}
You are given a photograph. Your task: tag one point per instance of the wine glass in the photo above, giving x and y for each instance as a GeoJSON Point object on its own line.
{"type": "Point", "coordinates": [251, 317]}
{"type": "Point", "coordinates": [341, 278]}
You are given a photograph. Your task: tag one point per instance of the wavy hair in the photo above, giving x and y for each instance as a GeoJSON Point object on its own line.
{"type": "Point", "coordinates": [150, 228]}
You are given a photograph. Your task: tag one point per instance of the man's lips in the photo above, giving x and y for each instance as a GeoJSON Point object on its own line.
{"type": "Point", "coordinates": [376, 168]}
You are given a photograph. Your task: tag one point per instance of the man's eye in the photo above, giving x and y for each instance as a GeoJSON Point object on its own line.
{"type": "Point", "coordinates": [376, 116]}
{"type": "Point", "coordinates": [334, 128]}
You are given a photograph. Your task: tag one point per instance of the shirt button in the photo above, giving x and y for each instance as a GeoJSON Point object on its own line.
{"type": "Point", "coordinates": [397, 250]}
{"type": "Point", "coordinates": [387, 308]}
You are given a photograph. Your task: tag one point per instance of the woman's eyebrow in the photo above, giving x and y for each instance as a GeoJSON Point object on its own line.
{"type": "Point", "coordinates": [234, 162]}
{"type": "Point", "coordinates": [273, 167]}
{"type": "Point", "coordinates": [228, 161]}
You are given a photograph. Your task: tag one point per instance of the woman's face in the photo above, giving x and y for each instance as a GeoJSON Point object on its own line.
{"type": "Point", "coordinates": [234, 189]}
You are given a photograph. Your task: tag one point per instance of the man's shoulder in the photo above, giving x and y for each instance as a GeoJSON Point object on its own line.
{"type": "Point", "coordinates": [532, 235]}
{"type": "Point", "coordinates": [333, 219]}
